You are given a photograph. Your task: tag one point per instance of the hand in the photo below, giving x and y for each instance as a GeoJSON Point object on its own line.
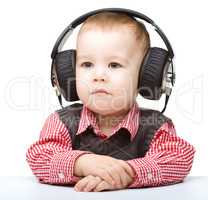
{"type": "Point", "coordinates": [106, 186]}
{"type": "Point", "coordinates": [94, 184]}
{"type": "Point", "coordinates": [114, 171]}
{"type": "Point", "coordinates": [89, 183]}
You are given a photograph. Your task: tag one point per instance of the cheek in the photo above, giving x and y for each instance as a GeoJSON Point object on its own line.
{"type": "Point", "coordinates": [125, 82]}
{"type": "Point", "coordinates": [82, 83]}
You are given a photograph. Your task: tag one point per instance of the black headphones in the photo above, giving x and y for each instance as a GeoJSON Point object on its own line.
{"type": "Point", "coordinates": [156, 76]}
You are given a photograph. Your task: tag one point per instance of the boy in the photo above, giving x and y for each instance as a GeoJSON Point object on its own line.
{"type": "Point", "coordinates": [110, 48]}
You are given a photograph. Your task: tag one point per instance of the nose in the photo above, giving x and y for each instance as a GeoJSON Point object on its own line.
{"type": "Point", "coordinates": [99, 74]}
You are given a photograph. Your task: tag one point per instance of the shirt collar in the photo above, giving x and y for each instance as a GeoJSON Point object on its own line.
{"type": "Point", "coordinates": [130, 121]}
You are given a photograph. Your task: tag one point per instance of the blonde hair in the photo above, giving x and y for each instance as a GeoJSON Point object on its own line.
{"type": "Point", "coordinates": [108, 20]}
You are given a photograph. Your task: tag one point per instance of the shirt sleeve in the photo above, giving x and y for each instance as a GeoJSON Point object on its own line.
{"type": "Point", "coordinates": [51, 158]}
{"type": "Point", "coordinates": [168, 160]}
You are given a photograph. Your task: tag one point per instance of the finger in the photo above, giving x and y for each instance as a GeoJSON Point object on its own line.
{"type": "Point", "coordinates": [127, 167]}
{"type": "Point", "coordinates": [124, 176]}
{"type": "Point", "coordinates": [92, 184]}
{"type": "Point", "coordinates": [102, 186]}
{"type": "Point", "coordinates": [80, 185]}
{"type": "Point", "coordinates": [104, 174]}
{"type": "Point", "coordinates": [129, 180]}
{"type": "Point", "coordinates": [114, 171]}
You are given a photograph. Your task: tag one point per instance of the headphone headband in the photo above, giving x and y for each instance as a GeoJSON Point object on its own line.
{"type": "Point", "coordinates": [129, 12]}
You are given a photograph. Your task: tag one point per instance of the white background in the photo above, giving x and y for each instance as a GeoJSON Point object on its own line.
{"type": "Point", "coordinates": [28, 31]}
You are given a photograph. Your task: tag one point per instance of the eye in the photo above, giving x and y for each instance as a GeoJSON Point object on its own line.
{"type": "Point", "coordinates": [115, 65]}
{"type": "Point", "coordinates": [86, 64]}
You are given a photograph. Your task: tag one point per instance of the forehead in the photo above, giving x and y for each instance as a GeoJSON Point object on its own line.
{"type": "Point", "coordinates": [114, 42]}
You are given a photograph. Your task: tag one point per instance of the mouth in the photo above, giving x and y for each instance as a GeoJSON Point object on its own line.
{"type": "Point", "coordinates": [100, 91]}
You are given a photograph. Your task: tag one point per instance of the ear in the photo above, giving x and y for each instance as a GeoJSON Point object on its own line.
{"type": "Point", "coordinates": [65, 63]}
{"type": "Point", "coordinates": [151, 73]}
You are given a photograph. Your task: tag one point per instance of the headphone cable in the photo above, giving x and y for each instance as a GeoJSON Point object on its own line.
{"type": "Point", "coordinates": [60, 101]}
{"type": "Point", "coordinates": [166, 102]}
{"type": "Point", "coordinates": [58, 94]}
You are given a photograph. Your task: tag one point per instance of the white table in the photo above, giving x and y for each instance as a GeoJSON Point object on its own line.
{"type": "Point", "coordinates": [28, 188]}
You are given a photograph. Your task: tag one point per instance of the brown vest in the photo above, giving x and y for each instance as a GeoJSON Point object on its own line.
{"type": "Point", "coordinates": [118, 145]}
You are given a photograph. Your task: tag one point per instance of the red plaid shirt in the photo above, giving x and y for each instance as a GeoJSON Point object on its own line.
{"type": "Point", "coordinates": [168, 160]}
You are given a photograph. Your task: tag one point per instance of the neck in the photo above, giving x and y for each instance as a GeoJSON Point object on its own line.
{"type": "Point", "coordinates": [110, 121]}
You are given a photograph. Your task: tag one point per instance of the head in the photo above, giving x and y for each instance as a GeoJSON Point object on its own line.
{"type": "Point", "coordinates": [110, 49]}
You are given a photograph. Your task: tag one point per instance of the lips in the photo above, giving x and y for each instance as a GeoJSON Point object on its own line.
{"type": "Point", "coordinates": [100, 91]}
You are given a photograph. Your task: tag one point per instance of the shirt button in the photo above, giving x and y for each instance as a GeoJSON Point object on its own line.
{"type": "Point", "coordinates": [102, 136]}
{"type": "Point", "coordinates": [158, 173]}
{"type": "Point", "coordinates": [61, 175]}
{"type": "Point", "coordinates": [149, 175]}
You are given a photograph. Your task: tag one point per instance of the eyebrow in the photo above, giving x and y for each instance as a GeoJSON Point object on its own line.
{"type": "Point", "coordinates": [119, 58]}
{"type": "Point", "coordinates": [111, 58]}
{"type": "Point", "coordinates": [83, 56]}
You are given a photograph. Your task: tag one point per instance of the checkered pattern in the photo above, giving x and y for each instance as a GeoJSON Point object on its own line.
{"type": "Point", "coordinates": [168, 160]}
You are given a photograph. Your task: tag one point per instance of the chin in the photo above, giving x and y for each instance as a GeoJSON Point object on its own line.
{"type": "Point", "coordinates": [104, 106]}
{"type": "Point", "coordinates": [100, 109]}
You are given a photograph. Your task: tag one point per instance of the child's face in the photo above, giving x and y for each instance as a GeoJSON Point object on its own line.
{"type": "Point", "coordinates": [109, 60]}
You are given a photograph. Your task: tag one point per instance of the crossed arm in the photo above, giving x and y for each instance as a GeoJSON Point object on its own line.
{"type": "Point", "coordinates": [102, 173]}
{"type": "Point", "coordinates": [52, 160]}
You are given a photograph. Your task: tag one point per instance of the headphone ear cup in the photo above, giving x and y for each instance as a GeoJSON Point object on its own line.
{"type": "Point", "coordinates": [152, 72]}
{"type": "Point", "coordinates": [65, 66]}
